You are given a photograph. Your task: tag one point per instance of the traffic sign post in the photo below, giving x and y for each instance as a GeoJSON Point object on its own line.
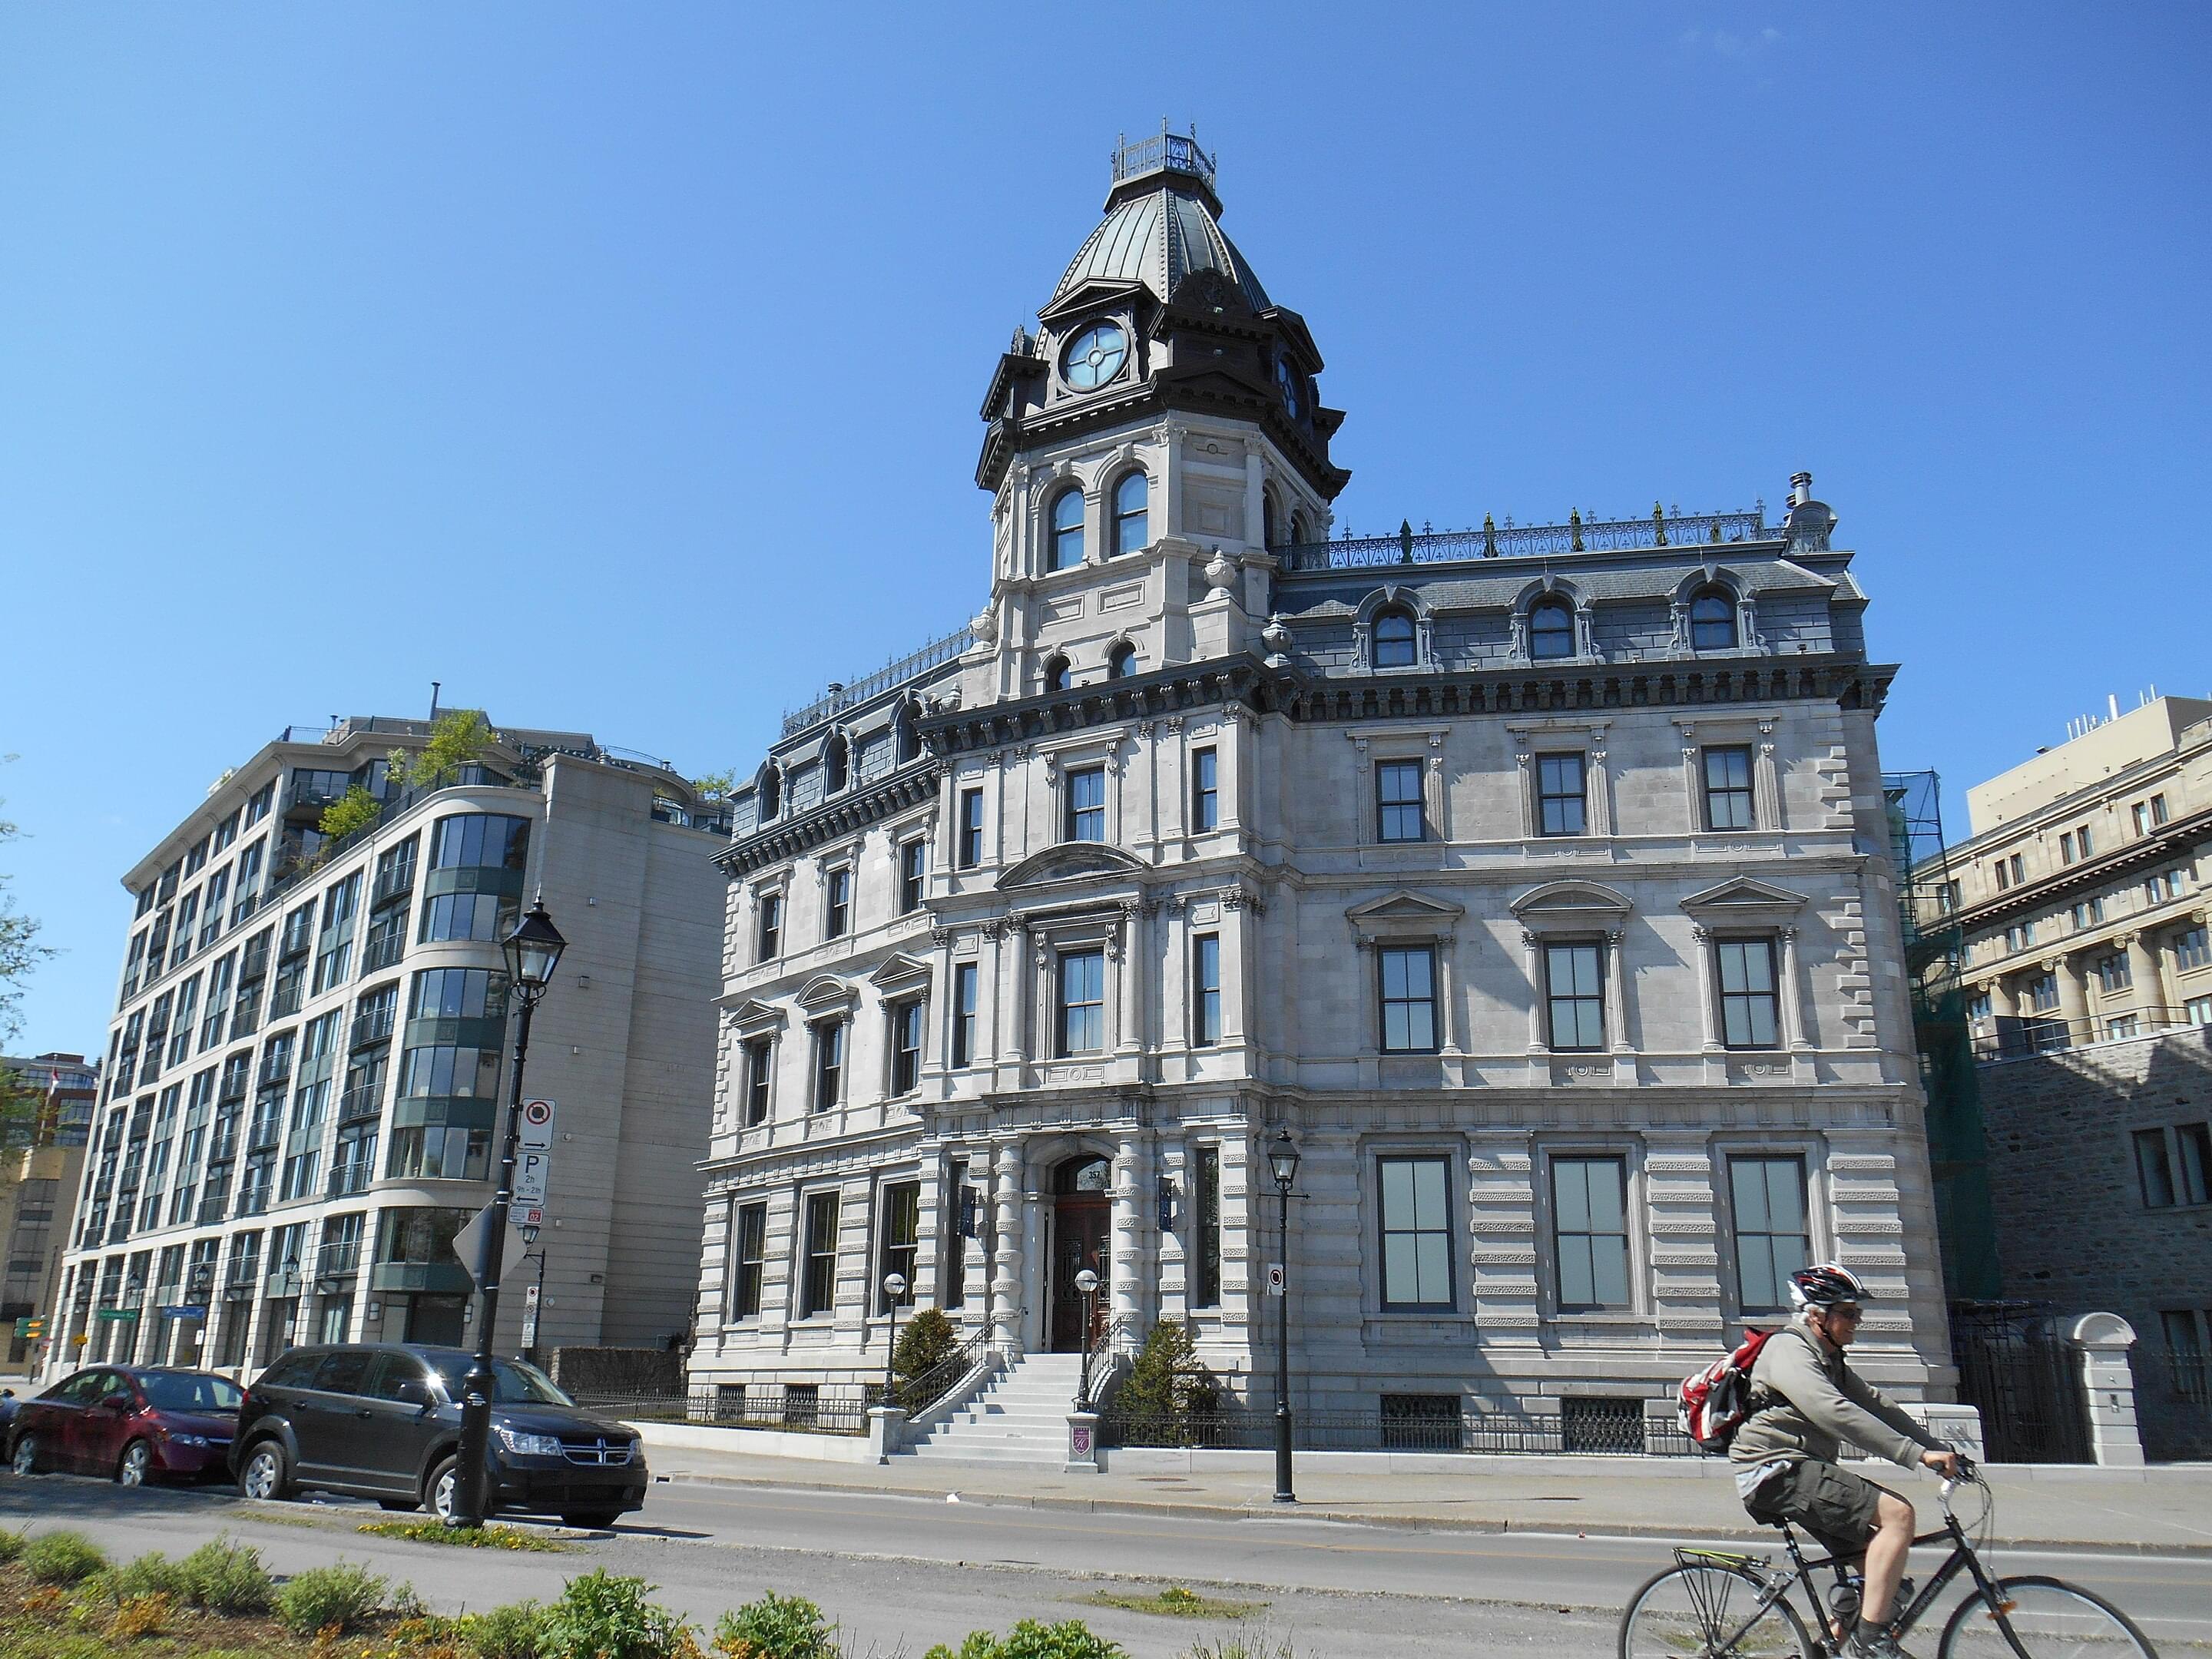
{"type": "Point", "coordinates": [535, 1134]}
{"type": "Point", "coordinates": [530, 1171]}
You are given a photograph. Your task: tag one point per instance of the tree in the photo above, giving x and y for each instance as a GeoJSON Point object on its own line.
{"type": "Point", "coordinates": [1169, 1387]}
{"type": "Point", "coordinates": [20, 950]}
{"type": "Point", "coordinates": [356, 810]}
{"type": "Point", "coordinates": [458, 738]}
{"type": "Point", "coordinates": [715, 785]}
{"type": "Point", "coordinates": [928, 1341]}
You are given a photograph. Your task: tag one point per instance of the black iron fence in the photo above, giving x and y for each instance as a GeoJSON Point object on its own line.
{"type": "Point", "coordinates": [1612, 1426]}
{"type": "Point", "coordinates": [2019, 1370]}
{"type": "Point", "coordinates": [2173, 1402]}
{"type": "Point", "coordinates": [805, 1407]}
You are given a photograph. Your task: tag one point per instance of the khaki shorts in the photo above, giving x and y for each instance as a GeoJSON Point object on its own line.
{"type": "Point", "coordinates": [1833, 1507]}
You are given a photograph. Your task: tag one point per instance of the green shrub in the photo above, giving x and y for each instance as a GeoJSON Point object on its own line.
{"type": "Point", "coordinates": [928, 1341]}
{"type": "Point", "coordinates": [1245, 1644]}
{"type": "Point", "coordinates": [11, 1545]}
{"type": "Point", "coordinates": [226, 1578]}
{"type": "Point", "coordinates": [139, 1616]}
{"type": "Point", "coordinates": [776, 1627]}
{"type": "Point", "coordinates": [515, 1632]}
{"type": "Point", "coordinates": [1167, 1391]}
{"type": "Point", "coordinates": [492, 1535]}
{"type": "Point", "coordinates": [62, 1558]}
{"type": "Point", "coordinates": [1069, 1639]}
{"type": "Point", "coordinates": [344, 1594]}
{"type": "Point", "coordinates": [151, 1574]}
{"type": "Point", "coordinates": [602, 1616]}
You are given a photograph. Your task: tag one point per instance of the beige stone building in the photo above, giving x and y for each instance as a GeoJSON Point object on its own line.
{"type": "Point", "coordinates": [41, 1155]}
{"type": "Point", "coordinates": [1534, 880]}
{"type": "Point", "coordinates": [306, 1078]}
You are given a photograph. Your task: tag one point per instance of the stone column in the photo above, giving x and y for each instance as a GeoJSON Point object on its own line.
{"type": "Point", "coordinates": [2109, 1382]}
{"type": "Point", "coordinates": [1126, 950]}
{"type": "Point", "coordinates": [1126, 1248]}
{"type": "Point", "coordinates": [1532, 964]}
{"type": "Point", "coordinates": [1716, 1051]}
{"type": "Point", "coordinates": [1616, 1013]}
{"type": "Point", "coordinates": [1598, 782]}
{"type": "Point", "coordinates": [2073, 999]}
{"type": "Point", "coordinates": [2152, 998]}
{"type": "Point", "coordinates": [1172, 1278]}
{"type": "Point", "coordinates": [1006, 1267]}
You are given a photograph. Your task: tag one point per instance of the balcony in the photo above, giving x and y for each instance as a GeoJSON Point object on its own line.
{"type": "Point", "coordinates": [212, 1206]}
{"type": "Point", "coordinates": [435, 1277]}
{"type": "Point", "coordinates": [347, 1179]}
{"type": "Point", "coordinates": [393, 883]}
{"type": "Point", "coordinates": [283, 1279]}
{"type": "Point", "coordinates": [238, 1285]}
{"type": "Point", "coordinates": [335, 1262]}
{"type": "Point", "coordinates": [361, 1102]}
{"type": "Point", "coordinates": [372, 1024]}
{"type": "Point", "coordinates": [265, 1134]}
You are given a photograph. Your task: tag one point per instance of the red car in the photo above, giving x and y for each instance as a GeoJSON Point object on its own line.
{"type": "Point", "coordinates": [134, 1423]}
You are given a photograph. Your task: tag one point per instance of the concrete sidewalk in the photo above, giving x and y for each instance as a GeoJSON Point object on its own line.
{"type": "Point", "coordinates": [2161, 1511]}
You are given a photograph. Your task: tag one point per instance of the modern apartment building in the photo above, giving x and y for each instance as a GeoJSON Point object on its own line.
{"type": "Point", "coordinates": [41, 1155]}
{"type": "Point", "coordinates": [2080, 894]}
{"type": "Point", "coordinates": [306, 1077]}
{"type": "Point", "coordinates": [1534, 880]}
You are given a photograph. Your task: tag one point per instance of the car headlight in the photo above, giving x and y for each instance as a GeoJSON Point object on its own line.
{"type": "Point", "coordinates": [530, 1445]}
{"type": "Point", "coordinates": [634, 1451]}
{"type": "Point", "coordinates": [188, 1440]}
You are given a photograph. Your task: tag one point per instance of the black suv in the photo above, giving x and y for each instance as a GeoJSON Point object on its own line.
{"type": "Point", "coordinates": [383, 1420]}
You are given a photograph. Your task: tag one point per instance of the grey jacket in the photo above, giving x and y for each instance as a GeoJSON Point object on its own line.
{"type": "Point", "coordinates": [1806, 1402]}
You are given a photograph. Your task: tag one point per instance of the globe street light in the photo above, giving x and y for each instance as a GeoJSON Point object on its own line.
{"type": "Point", "coordinates": [1087, 1282]}
{"type": "Point", "coordinates": [1283, 1163]}
{"type": "Point", "coordinates": [533, 950]}
{"type": "Point", "coordinates": [893, 1290]}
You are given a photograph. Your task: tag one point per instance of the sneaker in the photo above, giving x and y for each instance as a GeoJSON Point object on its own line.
{"type": "Point", "coordinates": [1867, 1642]}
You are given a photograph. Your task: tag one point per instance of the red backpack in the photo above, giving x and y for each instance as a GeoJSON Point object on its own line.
{"type": "Point", "coordinates": [1713, 1403]}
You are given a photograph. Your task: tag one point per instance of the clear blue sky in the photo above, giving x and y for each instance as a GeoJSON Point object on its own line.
{"type": "Point", "coordinates": [618, 366]}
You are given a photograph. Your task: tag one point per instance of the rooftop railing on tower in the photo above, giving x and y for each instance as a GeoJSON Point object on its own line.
{"type": "Point", "coordinates": [1163, 152]}
{"type": "Point", "coordinates": [1512, 541]}
{"type": "Point", "coordinates": [840, 697]}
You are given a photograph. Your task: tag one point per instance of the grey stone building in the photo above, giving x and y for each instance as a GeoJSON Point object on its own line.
{"type": "Point", "coordinates": [1535, 880]}
{"type": "Point", "coordinates": [304, 1080]}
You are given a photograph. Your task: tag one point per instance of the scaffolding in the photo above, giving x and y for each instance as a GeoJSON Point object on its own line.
{"type": "Point", "coordinates": [1935, 955]}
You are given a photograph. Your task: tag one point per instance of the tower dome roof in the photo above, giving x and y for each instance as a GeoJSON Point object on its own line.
{"type": "Point", "coordinates": [1163, 222]}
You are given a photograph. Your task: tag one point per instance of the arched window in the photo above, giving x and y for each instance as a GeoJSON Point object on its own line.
{"type": "Point", "coordinates": [1297, 530]}
{"type": "Point", "coordinates": [1121, 661]}
{"type": "Point", "coordinates": [1551, 631]}
{"type": "Point", "coordinates": [1067, 530]}
{"type": "Point", "coordinates": [908, 736]}
{"type": "Point", "coordinates": [1712, 620]}
{"type": "Point", "coordinates": [1394, 639]}
{"type": "Point", "coordinates": [771, 794]}
{"type": "Point", "coordinates": [836, 764]}
{"type": "Point", "coordinates": [1132, 497]}
{"type": "Point", "coordinates": [1056, 675]}
{"type": "Point", "coordinates": [1267, 520]}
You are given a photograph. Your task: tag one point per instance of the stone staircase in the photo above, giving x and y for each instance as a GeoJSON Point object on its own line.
{"type": "Point", "coordinates": [1020, 1416]}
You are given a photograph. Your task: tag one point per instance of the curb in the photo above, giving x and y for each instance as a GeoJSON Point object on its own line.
{"type": "Point", "coordinates": [1550, 1525]}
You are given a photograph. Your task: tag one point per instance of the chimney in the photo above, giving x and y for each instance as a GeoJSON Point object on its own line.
{"type": "Point", "coordinates": [1801, 488]}
{"type": "Point", "coordinates": [433, 700]}
{"type": "Point", "coordinates": [2112, 704]}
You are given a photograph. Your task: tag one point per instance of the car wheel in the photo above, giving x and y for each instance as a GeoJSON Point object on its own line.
{"type": "Point", "coordinates": [443, 1493]}
{"type": "Point", "coordinates": [590, 1520]}
{"type": "Point", "coordinates": [398, 1505]}
{"type": "Point", "coordinates": [136, 1467]}
{"type": "Point", "coordinates": [26, 1460]}
{"type": "Point", "coordinates": [267, 1473]}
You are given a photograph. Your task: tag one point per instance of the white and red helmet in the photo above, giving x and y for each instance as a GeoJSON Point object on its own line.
{"type": "Point", "coordinates": [1825, 1284]}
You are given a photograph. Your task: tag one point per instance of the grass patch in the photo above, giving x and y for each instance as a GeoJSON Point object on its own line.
{"type": "Point", "coordinates": [428, 1530]}
{"type": "Point", "coordinates": [1173, 1603]}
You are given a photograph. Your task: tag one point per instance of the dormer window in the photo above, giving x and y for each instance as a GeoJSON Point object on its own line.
{"type": "Point", "coordinates": [1712, 620]}
{"type": "Point", "coordinates": [1394, 639]}
{"type": "Point", "coordinates": [1551, 631]}
{"type": "Point", "coordinates": [1067, 530]}
{"type": "Point", "coordinates": [1132, 498]}
{"type": "Point", "coordinates": [837, 765]}
{"type": "Point", "coordinates": [1058, 676]}
{"type": "Point", "coordinates": [1094, 356]}
{"type": "Point", "coordinates": [771, 794]}
{"type": "Point", "coordinates": [1267, 520]}
{"type": "Point", "coordinates": [1121, 661]}
{"type": "Point", "coordinates": [1286, 383]}
{"type": "Point", "coordinates": [908, 736]}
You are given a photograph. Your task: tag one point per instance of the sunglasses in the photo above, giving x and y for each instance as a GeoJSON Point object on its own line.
{"type": "Point", "coordinates": [1838, 1311]}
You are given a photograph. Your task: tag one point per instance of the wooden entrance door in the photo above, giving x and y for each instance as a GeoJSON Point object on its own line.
{"type": "Point", "coordinates": [1081, 1225]}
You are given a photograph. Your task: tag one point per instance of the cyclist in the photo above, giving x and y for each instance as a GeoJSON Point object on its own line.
{"type": "Point", "coordinates": [1805, 1402]}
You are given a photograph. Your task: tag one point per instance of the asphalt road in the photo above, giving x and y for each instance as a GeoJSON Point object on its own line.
{"type": "Point", "coordinates": [902, 1572]}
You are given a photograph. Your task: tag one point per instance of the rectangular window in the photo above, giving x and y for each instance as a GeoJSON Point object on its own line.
{"type": "Point", "coordinates": [1400, 812]}
{"type": "Point", "coordinates": [1205, 990]}
{"type": "Point", "coordinates": [2043, 992]}
{"type": "Point", "coordinates": [218, 889]}
{"type": "Point", "coordinates": [2066, 847]}
{"type": "Point", "coordinates": [1207, 1292]}
{"type": "Point", "coordinates": [1087, 805]}
{"type": "Point", "coordinates": [914, 865]}
{"type": "Point", "coordinates": [387, 939]}
{"type": "Point", "coordinates": [2018, 865]}
{"type": "Point", "coordinates": [2004, 876]}
{"type": "Point", "coordinates": [2082, 843]}
{"type": "Point", "coordinates": [334, 948]}
{"type": "Point", "coordinates": [899, 1252]}
{"type": "Point", "coordinates": [971, 828]}
{"type": "Point", "coordinates": [818, 1278]}
{"type": "Point", "coordinates": [828, 1064]}
{"type": "Point", "coordinates": [248, 893]}
{"type": "Point", "coordinates": [748, 1261]}
{"type": "Point", "coordinates": [2112, 974]}
{"type": "Point", "coordinates": [1561, 795]}
{"type": "Point", "coordinates": [1574, 993]}
{"type": "Point", "coordinates": [964, 1014]}
{"type": "Point", "coordinates": [1082, 996]}
{"type": "Point", "coordinates": [1772, 1242]}
{"type": "Point", "coordinates": [760, 1054]}
{"type": "Point", "coordinates": [1590, 1231]}
{"type": "Point", "coordinates": [2174, 1164]}
{"type": "Point", "coordinates": [2192, 950]}
{"type": "Point", "coordinates": [1750, 1006]}
{"type": "Point", "coordinates": [1205, 790]}
{"type": "Point", "coordinates": [837, 907]}
{"type": "Point", "coordinates": [1728, 788]}
{"type": "Point", "coordinates": [953, 1252]}
{"type": "Point", "coordinates": [2192, 1144]}
{"type": "Point", "coordinates": [1409, 979]}
{"type": "Point", "coordinates": [2198, 1011]}
{"type": "Point", "coordinates": [771, 938]}
{"type": "Point", "coordinates": [1416, 1217]}
{"type": "Point", "coordinates": [906, 1045]}
{"type": "Point", "coordinates": [2088, 913]}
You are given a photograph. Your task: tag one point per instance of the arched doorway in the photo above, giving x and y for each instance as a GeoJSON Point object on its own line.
{"type": "Point", "coordinates": [1082, 1216]}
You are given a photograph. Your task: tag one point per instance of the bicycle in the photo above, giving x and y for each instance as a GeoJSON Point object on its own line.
{"type": "Point", "coordinates": [1718, 1604]}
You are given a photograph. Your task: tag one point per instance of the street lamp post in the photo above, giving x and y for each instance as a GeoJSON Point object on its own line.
{"type": "Point", "coordinates": [1087, 1282]}
{"type": "Point", "coordinates": [533, 950]}
{"type": "Point", "coordinates": [531, 1252]}
{"type": "Point", "coordinates": [1283, 1163]}
{"type": "Point", "coordinates": [894, 1288]}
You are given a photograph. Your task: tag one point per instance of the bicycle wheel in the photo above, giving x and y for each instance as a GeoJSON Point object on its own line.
{"type": "Point", "coordinates": [2048, 1619]}
{"type": "Point", "coordinates": [1707, 1610]}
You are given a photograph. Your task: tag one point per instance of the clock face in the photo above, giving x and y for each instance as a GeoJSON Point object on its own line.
{"type": "Point", "coordinates": [1094, 356]}
{"type": "Point", "coordinates": [1286, 382]}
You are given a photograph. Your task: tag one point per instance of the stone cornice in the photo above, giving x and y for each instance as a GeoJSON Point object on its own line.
{"type": "Point", "coordinates": [853, 809]}
{"type": "Point", "coordinates": [1844, 681]}
{"type": "Point", "coordinates": [2092, 875]}
{"type": "Point", "coordinates": [1241, 679]}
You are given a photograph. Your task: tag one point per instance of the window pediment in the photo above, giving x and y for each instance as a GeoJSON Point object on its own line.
{"type": "Point", "coordinates": [1741, 899]}
{"type": "Point", "coordinates": [1075, 861]}
{"type": "Point", "coordinates": [901, 973]}
{"type": "Point", "coordinates": [1403, 914]}
{"type": "Point", "coordinates": [1571, 905]}
{"type": "Point", "coordinates": [826, 993]}
{"type": "Point", "coordinates": [752, 1017]}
